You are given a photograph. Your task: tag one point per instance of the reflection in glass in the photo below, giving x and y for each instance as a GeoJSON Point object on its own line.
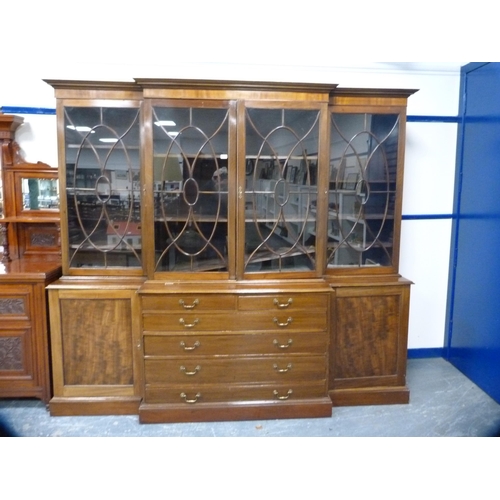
{"type": "Point", "coordinates": [281, 189]}
{"type": "Point", "coordinates": [40, 194]}
{"type": "Point", "coordinates": [363, 168]}
{"type": "Point", "coordinates": [190, 188]}
{"type": "Point", "coordinates": [103, 186]}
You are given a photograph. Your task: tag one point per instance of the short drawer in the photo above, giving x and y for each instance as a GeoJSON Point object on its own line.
{"type": "Point", "coordinates": [311, 320]}
{"type": "Point", "coordinates": [191, 302]}
{"type": "Point", "coordinates": [235, 344]}
{"type": "Point", "coordinates": [190, 395]}
{"type": "Point", "coordinates": [282, 302]}
{"type": "Point", "coordinates": [190, 321]}
{"type": "Point", "coordinates": [242, 370]}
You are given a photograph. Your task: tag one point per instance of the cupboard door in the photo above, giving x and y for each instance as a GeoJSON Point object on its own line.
{"type": "Point", "coordinates": [95, 349]}
{"type": "Point", "coordinates": [369, 342]}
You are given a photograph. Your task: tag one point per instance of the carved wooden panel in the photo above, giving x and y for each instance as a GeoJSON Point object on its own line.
{"type": "Point", "coordinates": [11, 353]}
{"type": "Point", "coordinates": [40, 238]}
{"type": "Point", "coordinates": [96, 339]}
{"type": "Point", "coordinates": [11, 305]}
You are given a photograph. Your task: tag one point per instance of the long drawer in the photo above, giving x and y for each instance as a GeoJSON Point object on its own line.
{"type": "Point", "coordinates": [242, 370]}
{"type": "Point", "coordinates": [212, 302]}
{"type": "Point", "coordinates": [301, 320]}
{"type": "Point", "coordinates": [220, 393]}
{"type": "Point", "coordinates": [235, 344]}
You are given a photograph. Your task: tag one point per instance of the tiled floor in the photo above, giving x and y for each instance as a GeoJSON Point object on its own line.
{"type": "Point", "coordinates": [443, 402]}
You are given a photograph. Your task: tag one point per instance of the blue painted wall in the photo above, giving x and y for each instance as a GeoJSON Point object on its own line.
{"type": "Point", "coordinates": [473, 337]}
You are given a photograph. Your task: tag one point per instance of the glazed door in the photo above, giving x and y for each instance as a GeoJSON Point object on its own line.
{"type": "Point", "coordinates": [279, 155]}
{"type": "Point", "coordinates": [473, 337]}
{"type": "Point", "coordinates": [363, 207]}
{"type": "Point", "coordinates": [193, 169]}
{"type": "Point", "coordinates": [100, 183]}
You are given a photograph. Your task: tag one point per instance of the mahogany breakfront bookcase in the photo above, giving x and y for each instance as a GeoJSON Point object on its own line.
{"type": "Point", "coordinates": [230, 249]}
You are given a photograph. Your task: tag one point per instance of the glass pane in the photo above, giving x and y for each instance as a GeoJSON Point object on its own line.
{"type": "Point", "coordinates": [40, 194]}
{"type": "Point", "coordinates": [190, 188]}
{"type": "Point", "coordinates": [103, 186]}
{"type": "Point", "coordinates": [281, 189]}
{"type": "Point", "coordinates": [362, 195]}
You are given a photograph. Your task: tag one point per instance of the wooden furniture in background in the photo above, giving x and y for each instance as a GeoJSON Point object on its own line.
{"type": "Point", "coordinates": [30, 261]}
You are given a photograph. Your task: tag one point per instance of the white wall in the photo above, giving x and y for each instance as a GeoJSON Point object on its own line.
{"type": "Point", "coordinates": [210, 42]}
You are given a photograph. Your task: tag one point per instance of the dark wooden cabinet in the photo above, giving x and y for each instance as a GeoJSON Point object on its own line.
{"type": "Point", "coordinates": [256, 229]}
{"type": "Point", "coordinates": [30, 261]}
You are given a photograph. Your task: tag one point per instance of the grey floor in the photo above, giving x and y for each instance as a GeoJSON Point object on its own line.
{"type": "Point", "coordinates": [443, 402]}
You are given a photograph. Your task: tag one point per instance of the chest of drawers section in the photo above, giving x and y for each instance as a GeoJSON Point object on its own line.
{"type": "Point", "coordinates": [229, 355]}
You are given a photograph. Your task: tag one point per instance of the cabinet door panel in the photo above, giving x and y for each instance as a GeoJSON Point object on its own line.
{"type": "Point", "coordinates": [96, 341]}
{"type": "Point", "coordinates": [15, 354]}
{"type": "Point", "coordinates": [370, 336]}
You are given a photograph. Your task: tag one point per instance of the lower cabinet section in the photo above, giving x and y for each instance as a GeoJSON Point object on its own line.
{"type": "Point", "coordinates": [224, 354]}
{"type": "Point", "coordinates": [95, 333]}
{"type": "Point", "coordinates": [368, 351]}
{"type": "Point", "coordinates": [181, 352]}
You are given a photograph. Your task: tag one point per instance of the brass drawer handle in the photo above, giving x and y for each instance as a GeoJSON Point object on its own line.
{"type": "Point", "coordinates": [188, 325]}
{"type": "Point", "coordinates": [190, 348]}
{"type": "Point", "coordinates": [190, 401]}
{"type": "Point", "coordinates": [284, 305]}
{"type": "Point", "coordinates": [189, 306]}
{"type": "Point", "coordinates": [283, 346]}
{"type": "Point", "coordinates": [194, 372]}
{"type": "Point", "coordinates": [288, 321]}
{"type": "Point", "coordinates": [282, 370]}
{"type": "Point", "coordinates": [281, 398]}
